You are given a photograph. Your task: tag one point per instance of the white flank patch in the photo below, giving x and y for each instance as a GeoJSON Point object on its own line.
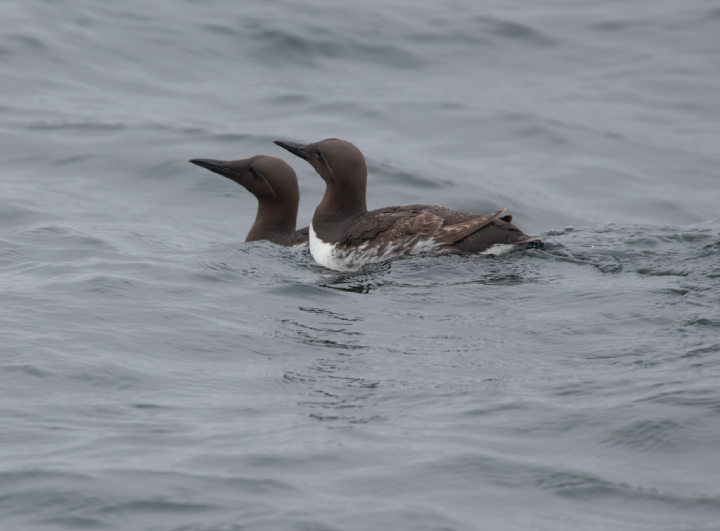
{"type": "Point", "coordinates": [501, 248]}
{"type": "Point", "coordinates": [328, 255]}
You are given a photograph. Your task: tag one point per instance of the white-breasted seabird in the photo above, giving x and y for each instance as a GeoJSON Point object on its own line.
{"type": "Point", "coordinates": [344, 235]}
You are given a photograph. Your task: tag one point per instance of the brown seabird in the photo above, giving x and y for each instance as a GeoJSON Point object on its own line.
{"type": "Point", "coordinates": [274, 183]}
{"type": "Point", "coordinates": [344, 235]}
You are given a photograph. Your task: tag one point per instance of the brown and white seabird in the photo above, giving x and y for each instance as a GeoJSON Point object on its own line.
{"type": "Point", "coordinates": [344, 235]}
{"type": "Point", "coordinates": [274, 183]}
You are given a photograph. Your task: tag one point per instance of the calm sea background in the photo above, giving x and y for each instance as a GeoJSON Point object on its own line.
{"type": "Point", "coordinates": [157, 373]}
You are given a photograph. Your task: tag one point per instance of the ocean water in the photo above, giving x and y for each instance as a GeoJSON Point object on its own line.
{"type": "Point", "coordinates": [157, 373]}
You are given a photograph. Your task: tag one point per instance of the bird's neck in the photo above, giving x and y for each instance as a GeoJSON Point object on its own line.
{"type": "Point", "coordinates": [273, 220]}
{"type": "Point", "coordinates": [339, 204]}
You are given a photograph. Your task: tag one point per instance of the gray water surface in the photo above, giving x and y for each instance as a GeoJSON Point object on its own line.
{"type": "Point", "coordinates": [157, 373]}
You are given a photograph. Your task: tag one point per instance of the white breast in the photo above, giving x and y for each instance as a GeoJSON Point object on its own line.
{"type": "Point", "coordinates": [330, 256]}
{"type": "Point", "coordinates": [325, 253]}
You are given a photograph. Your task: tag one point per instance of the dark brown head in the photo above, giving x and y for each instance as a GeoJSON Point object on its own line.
{"type": "Point", "coordinates": [273, 182]}
{"type": "Point", "coordinates": [342, 167]}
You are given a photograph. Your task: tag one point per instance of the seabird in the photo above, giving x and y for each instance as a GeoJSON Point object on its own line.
{"type": "Point", "coordinates": [274, 183]}
{"type": "Point", "coordinates": [344, 235]}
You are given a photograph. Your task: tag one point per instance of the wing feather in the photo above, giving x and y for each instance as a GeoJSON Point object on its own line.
{"type": "Point", "coordinates": [455, 233]}
{"type": "Point", "coordinates": [393, 224]}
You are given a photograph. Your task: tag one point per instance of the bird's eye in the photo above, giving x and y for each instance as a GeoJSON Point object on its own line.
{"type": "Point", "coordinates": [254, 171]}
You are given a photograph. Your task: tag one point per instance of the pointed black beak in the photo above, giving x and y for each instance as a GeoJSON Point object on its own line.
{"type": "Point", "coordinates": [293, 148]}
{"type": "Point", "coordinates": [216, 166]}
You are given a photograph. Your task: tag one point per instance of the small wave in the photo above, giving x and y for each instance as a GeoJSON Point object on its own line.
{"type": "Point", "coordinates": [579, 487]}
{"type": "Point", "coordinates": [481, 31]}
{"type": "Point", "coordinates": [109, 285]}
{"type": "Point", "coordinates": [647, 250]}
{"type": "Point", "coordinates": [392, 175]}
{"type": "Point", "coordinates": [14, 214]}
{"type": "Point", "coordinates": [29, 42]}
{"type": "Point", "coordinates": [54, 245]}
{"type": "Point", "coordinates": [665, 435]}
{"type": "Point", "coordinates": [307, 45]}
{"type": "Point", "coordinates": [515, 31]}
{"type": "Point", "coordinates": [85, 125]}
{"type": "Point", "coordinates": [31, 370]}
{"type": "Point", "coordinates": [332, 315]}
